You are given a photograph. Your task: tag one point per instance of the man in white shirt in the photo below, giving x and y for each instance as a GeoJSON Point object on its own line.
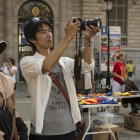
{"type": "Point", "coordinates": [52, 117]}
{"type": "Point", "coordinates": [86, 83]}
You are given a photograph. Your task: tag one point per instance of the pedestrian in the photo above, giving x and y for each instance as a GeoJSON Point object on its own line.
{"type": "Point", "coordinates": [85, 85]}
{"type": "Point", "coordinates": [127, 62]}
{"type": "Point", "coordinates": [7, 90]}
{"type": "Point", "coordinates": [119, 73]}
{"type": "Point", "coordinates": [11, 70]}
{"type": "Point", "coordinates": [52, 117]}
{"type": "Point", "coordinates": [130, 69]}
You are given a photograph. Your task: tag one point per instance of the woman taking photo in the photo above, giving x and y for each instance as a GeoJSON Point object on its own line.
{"type": "Point", "coordinates": [11, 70]}
{"type": "Point", "coordinates": [119, 73]}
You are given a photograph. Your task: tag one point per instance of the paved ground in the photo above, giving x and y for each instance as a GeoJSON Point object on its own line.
{"type": "Point", "coordinates": [23, 105]}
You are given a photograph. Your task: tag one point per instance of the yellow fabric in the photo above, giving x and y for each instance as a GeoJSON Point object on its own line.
{"type": "Point", "coordinates": [130, 67]}
{"type": "Point", "coordinates": [122, 94]}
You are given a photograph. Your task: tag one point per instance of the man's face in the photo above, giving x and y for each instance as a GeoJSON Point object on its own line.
{"type": "Point", "coordinates": [44, 38]}
{"type": "Point", "coordinates": [131, 61]}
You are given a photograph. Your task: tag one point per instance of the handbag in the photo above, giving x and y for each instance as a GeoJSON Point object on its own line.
{"type": "Point", "coordinates": [79, 132]}
{"type": "Point", "coordinates": [8, 122]}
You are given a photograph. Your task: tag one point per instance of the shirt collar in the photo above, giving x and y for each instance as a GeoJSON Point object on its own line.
{"type": "Point", "coordinates": [40, 56]}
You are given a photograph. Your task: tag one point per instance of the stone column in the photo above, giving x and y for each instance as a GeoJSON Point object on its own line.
{"type": "Point", "coordinates": [8, 28]}
{"type": "Point", "coordinates": [62, 20]}
{"type": "Point", "coordinates": [70, 13]}
{"type": "Point", "coordinates": [15, 38]}
{"type": "Point", "coordinates": [1, 27]}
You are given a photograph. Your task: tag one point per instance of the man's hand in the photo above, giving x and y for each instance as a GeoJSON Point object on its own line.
{"type": "Point", "coordinates": [71, 28]}
{"type": "Point", "coordinates": [91, 32]}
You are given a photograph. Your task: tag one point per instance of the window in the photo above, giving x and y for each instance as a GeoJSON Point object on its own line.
{"type": "Point", "coordinates": [118, 16]}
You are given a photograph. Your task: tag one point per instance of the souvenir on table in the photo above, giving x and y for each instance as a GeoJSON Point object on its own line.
{"type": "Point", "coordinates": [122, 94]}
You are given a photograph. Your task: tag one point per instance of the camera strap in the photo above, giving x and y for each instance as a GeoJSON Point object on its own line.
{"type": "Point", "coordinates": [77, 65]}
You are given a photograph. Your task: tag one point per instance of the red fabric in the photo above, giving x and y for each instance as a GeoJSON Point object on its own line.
{"type": "Point", "coordinates": [119, 68]}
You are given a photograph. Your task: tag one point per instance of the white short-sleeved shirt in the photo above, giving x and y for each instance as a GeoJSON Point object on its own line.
{"type": "Point", "coordinates": [6, 72]}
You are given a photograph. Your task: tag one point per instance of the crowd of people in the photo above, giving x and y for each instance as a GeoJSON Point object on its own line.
{"type": "Point", "coordinates": [52, 116]}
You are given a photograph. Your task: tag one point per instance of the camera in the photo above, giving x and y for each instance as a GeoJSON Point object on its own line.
{"type": "Point", "coordinates": [95, 22]}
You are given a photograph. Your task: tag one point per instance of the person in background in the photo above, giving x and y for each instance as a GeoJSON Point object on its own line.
{"type": "Point", "coordinates": [7, 90]}
{"type": "Point", "coordinates": [119, 74]}
{"type": "Point", "coordinates": [86, 84]}
{"type": "Point", "coordinates": [11, 70]}
{"type": "Point", "coordinates": [134, 70]}
{"type": "Point", "coordinates": [130, 69]}
{"type": "Point", "coordinates": [127, 62]}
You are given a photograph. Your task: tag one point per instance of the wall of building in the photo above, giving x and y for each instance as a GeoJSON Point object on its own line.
{"type": "Point", "coordinates": [63, 10]}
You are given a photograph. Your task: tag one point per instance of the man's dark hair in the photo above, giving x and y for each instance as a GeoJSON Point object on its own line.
{"type": "Point", "coordinates": [32, 27]}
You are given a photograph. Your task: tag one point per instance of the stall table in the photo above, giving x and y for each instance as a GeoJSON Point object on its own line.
{"type": "Point", "coordinates": [105, 106]}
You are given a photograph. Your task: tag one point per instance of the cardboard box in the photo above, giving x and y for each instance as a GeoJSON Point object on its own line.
{"type": "Point", "coordinates": [132, 121]}
{"type": "Point", "coordinates": [105, 136]}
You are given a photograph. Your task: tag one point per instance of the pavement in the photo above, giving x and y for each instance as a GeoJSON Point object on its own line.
{"type": "Point", "coordinates": [23, 106]}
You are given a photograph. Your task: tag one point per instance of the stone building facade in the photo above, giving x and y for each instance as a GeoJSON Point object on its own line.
{"type": "Point", "coordinates": [62, 11]}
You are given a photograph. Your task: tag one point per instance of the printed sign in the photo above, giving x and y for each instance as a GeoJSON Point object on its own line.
{"type": "Point", "coordinates": [114, 44]}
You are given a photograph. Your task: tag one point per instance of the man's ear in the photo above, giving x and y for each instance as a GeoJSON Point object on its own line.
{"type": "Point", "coordinates": [32, 41]}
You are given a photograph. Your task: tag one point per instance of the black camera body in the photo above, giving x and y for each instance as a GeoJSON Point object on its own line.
{"type": "Point", "coordinates": [95, 22]}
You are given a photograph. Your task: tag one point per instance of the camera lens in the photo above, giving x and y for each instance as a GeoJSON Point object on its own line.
{"type": "Point", "coordinates": [95, 22]}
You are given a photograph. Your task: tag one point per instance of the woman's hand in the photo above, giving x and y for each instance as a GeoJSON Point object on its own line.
{"type": "Point", "coordinates": [71, 28]}
{"type": "Point", "coordinates": [123, 79]}
{"type": "Point", "coordinates": [8, 66]}
{"type": "Point", "coordinates": [91, 31]}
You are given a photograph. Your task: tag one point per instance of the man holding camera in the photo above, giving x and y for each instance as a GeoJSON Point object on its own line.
{"type": "Point", "coordinates": [52, 117]}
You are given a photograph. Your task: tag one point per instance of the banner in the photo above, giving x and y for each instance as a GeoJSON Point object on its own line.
{"type": "Point", "coordinates": [114, 44]}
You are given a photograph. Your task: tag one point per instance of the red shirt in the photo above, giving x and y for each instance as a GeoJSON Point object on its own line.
{"type": "Point", "coordinates": [119, 68]}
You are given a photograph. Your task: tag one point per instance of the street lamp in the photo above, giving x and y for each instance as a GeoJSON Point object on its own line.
{"type": "Point", "coordinates": [109, 4]}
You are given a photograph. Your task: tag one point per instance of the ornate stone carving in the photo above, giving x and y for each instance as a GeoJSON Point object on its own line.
{"type": "Point", "coordinates": [35, 9]}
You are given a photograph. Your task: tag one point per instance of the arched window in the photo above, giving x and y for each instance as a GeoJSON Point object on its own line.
{"type": "Point", "coordinates": [35, 9]}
